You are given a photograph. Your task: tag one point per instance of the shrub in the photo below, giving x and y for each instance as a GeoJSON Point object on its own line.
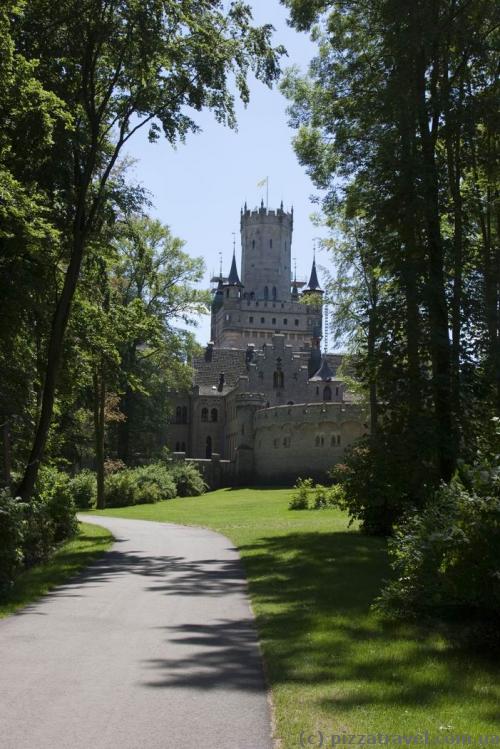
{"type": "Point", "coordinates": [119, 489]}
{"type": "Point", "coordinates": [300, 499]}
{"type": "Point", "coordinates": [53, 490]}
{"type": "Point", "coordinates": [328, 496]}
{"type": "Point", "coordinates": [447, 557]}
{"type": "Point", "coordinates": [155, 479]}
{"type": "Point", "coordinates": [375, 482]}
{"type": "Point", "coordinates": [39, 535]}
{"type": "Point", "coordinates": [11, 539]}
{"type": "Point", "coordinates": [143, 485]}
{"type": "Point", "coordinates": [188, 479]}
{"type": "Point", "coordinates": [83, 489]}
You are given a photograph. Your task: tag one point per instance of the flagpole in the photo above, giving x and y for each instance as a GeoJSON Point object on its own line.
{"type": "Point", "coordinates": [267, 193]}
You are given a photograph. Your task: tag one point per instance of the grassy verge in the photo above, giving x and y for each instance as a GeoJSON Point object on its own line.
{"type": "Point", "coordinates": [334, 665]}
{"type": "Point", "coordinates": [90, 542]}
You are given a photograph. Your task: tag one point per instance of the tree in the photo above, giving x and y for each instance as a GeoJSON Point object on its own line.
{"type": "Point", "coordinates": [119, 67]}
{"type": "Point", "coordinates": [394, 118]}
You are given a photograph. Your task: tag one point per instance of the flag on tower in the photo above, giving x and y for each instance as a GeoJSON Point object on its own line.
{"type": "Point", "coordinates": [263, 182]}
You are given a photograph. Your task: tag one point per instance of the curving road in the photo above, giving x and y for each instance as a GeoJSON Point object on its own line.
{"type": "Point", "coordinates": [152, 647]}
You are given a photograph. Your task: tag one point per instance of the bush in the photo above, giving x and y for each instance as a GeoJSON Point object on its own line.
{"type": "Point", "coordinates": [300, 499]}
{"type": "Point", "coordinates": [156, 480]}
{"type": "Point", "coordinates": [374, 479]}
{"type": "Point", "coordinates": [329, 496]}
{"type": "Point", "coordinates": [39, 535]}
{"type": "Point", "coordinates": [83, 489]}
{"type": "Point", "coordinates": [188, 479]}
{"type": "Point", "coordinates": [120, 489]}
{"type": "Point", "coordinates": [11, 539]}
{"type": "Point", "coordinates": [144, 485]}
{"type": "Point", "coordinates": [53, 490]}
{"type": "Point", "coordinates": [447, 557]}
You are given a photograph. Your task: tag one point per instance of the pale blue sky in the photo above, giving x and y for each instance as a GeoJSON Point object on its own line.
{"type": "Point", "coordinates": [199, 188]}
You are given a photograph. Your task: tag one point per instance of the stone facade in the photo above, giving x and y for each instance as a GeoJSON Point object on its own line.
{"type": "Point", "coordinates": [264, 399]}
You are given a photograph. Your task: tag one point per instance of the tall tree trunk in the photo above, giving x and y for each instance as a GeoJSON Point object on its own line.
{"type": "Point", "coordinates": [6, 452]}
{"type": "Point", "coordinates": [436, 294]}
{"type": "Point", "coordinates": [99, 432]}
{"type": "Point", "coordinates": [54, 359]}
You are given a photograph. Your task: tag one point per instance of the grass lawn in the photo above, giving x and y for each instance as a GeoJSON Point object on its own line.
{"type": "Point", "coordinates": [90, 542]}
{"type": "Point", "coordinates": [332, 663]}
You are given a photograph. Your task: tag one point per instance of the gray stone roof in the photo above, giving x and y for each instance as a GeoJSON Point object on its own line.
{"type": "Point", "coordinates": [230, 361]}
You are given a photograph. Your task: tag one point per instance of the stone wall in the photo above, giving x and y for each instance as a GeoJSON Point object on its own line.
{"type": "Point", "coordinates": [304, 440]}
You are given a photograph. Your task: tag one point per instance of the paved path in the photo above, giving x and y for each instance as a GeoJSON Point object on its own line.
{"type": "Point", "coordinates": [153, 647]}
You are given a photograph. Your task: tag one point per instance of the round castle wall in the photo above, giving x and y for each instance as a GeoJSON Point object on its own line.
{"type": "Point", "coordinates": [305, 439]}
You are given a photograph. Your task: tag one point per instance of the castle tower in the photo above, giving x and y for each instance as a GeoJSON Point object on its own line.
{"type": "Point", "coordinates": [266, 238]}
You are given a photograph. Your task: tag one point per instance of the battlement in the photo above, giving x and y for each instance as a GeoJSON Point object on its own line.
{"type": "Point", "coordinates": [314, 413]}
{"type": "Point", "coordinates": [266, 215]}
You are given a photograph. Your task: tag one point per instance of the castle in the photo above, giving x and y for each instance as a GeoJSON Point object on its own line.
{"type": "Point", "coordinates": [265, 404]}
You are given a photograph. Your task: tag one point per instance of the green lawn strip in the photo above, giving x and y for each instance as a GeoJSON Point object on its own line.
{"type": "Point", "coordinates": [71, 557]}
{"type": "Point", "coordinates": [333, 664]}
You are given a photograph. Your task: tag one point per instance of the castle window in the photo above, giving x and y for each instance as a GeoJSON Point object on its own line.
{"type": "Point", "coordinates": [274, 321]}
{"type": "Point", "coordinates": [204, 414]}
{"type": "Point", "coordinates": [227, 292]}
{"type": "Point", "coordinates": [270, 243]}
{"type": "Point", "coordinates": [317, 441]}
{"type": "Point", "coordinates": [338, 439]}
{"type": "Point", "coordinates": [286, 441]}
{"type": "Point", "coordinates": [279, 379]}
{"type": "Point", "coordinates": [242, 429]}
{"type": "Point", "coordinates": [327, 393]}
{"type": "Point", "coordinates": [263, 320]}
{"type": "Point", "coordinates": [290, 403]}
{"type": "Point", "coordinates": [253, 244]}
{"type": "Point", "coordinates": [336, 391]}
{"type": "Point", "coordinates": [274, 293]}
{"type": "Point", "coordinates": [214, 414]}
{"type": "Point", "coordinates": [208, 447]}
{"type": "Point", "coordinates": [266, 293]}
{"type": "Point", "coordinates": [317, 391]}
{"type": "Point", "coordinates": [252, 295]}
{"type": "Point", "coordinates": [275, 442]}
{"type": "Point", "coordinates": [250, 319]}
{"type": "Point", "coordinates": [184, 415]}
{"type": "Point", "coordinates": [297, 323]}
{"type": "Point", "coordinates": [177, 447]}
{"type": "Point", "coordinates": [183, 447]}
{"type": "Point", "coordinates": [285, 321]}
{"type": "Point", "coordinates": [178, 415]}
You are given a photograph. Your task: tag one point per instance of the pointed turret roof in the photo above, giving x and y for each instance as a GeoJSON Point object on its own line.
{"type": "Point", "coordinates": [233, 278]}
{"type": "Point", "coordinates": [324, 373]}
{"type": "Point", "coordinates": [313, 284]}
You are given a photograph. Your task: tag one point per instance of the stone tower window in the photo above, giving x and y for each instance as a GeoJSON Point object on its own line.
{"type": "Point", "coordinates": [297, 323]}
{"type": "Point", "coordinates": [178, 416]}
{"type": "Point", "coordinates": [214, 414]}
{"type": "Point", "coordinates": [204, 414]}
{"type": "Point", "coordinates": [274, 293]}
{"type": "Point", "coordinates": [279, 379]}
{"type": "Point", "coordinates": [263, 320]}
{"type": "Point", "coordinates": [285, 321]}
{"type": "Point", "coordinates": [270, 243]}
{"type": "Point", "coordinates": [266, 293]}
{"type": "Point", "coordinates": [253, 244]}
{"type": "Point", "coordinates": [208, 447]}
{"type": "Point", "coordinates": [184, 415]}
{"type": "Point", "coordinates": [327, 393]}
{"type": "Point", "coordinates": [250, 319]}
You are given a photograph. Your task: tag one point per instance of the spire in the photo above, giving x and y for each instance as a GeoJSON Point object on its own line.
{"type": "Point", "coordinates": [324, 373]}
{"type": "Point", "coordinates": [313, 284]}
{"type": "Point", "coordinates": [234, 279]}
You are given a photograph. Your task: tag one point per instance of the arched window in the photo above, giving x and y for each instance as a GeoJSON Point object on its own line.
{"type": "Point", "coordinates": [279, 379]}
{"type": "Point", "coordinates": [214, 414]}
{"type": "Point", "coordinates": [270, 243]}
{"type": "Point", "coordinates": [252, 295]}
{"type": "Point", "coordinates": [178, 414]}
{"type": "Point", "coordinates": [317, 441]}
{"type": "Point", "coordinates": [177, 447]}
{"type": "Point", "coordinates": [183, 447]}
{"type": "Point", "coordinates": [266, 293]}
{"type": "Point", "coordinates": [274, 293]}
{"type": "Point", "coordinates": [184, 415]}
{"type": "Point", "coordinates": [336, 391]}
{"type": "Point", "coordinates": [327, 393]}
{"type": "Point", "coordinates": [204, 414]}
{"type": "Point", "coordinates": [290, 403]}
{"type": "Point", "coordinates": [208, 448]}
{"type": "Point", "coordinates": [253, 244]}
